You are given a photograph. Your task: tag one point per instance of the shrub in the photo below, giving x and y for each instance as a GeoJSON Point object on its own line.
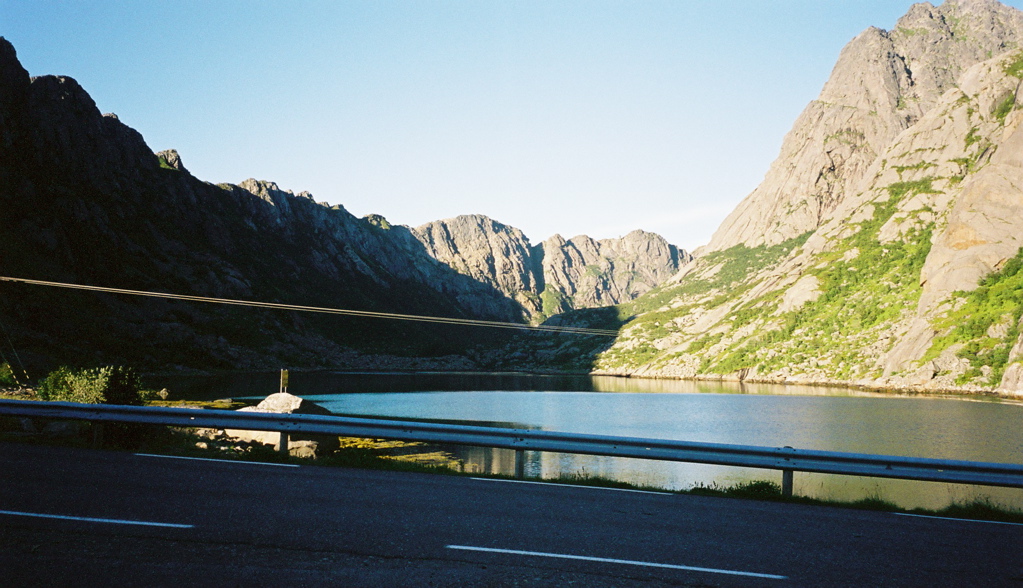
{"type": "Point", "coordinates": [1005, 107]}
{"type": "Point", "coordinates": [1015, 67]}
{"type": "Point", "coordinates": [105, 385]}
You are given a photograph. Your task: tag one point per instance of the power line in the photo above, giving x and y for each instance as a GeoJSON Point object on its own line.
{"type": "Point", "coordinates": [322, 310]}
{"type": "Point", "coordinates": [16, 356]}
{"type": "Point", "coordinates": [9, 366]}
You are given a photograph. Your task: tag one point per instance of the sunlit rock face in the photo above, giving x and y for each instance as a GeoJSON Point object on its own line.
{"type": "Point", "coordinates": [557, 275]}
{"type": "Point", "coordinates": [883, 83]}
{"type": "Point", "coordinates": [883, 246]}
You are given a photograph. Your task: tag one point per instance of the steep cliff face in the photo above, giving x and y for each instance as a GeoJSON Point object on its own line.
{"type": "Point", "coordinates": [883, 83]}
{"type": "Point", "coordinates": [83, 199]}
{"type": "Point", "coordinates": [555, 276]}
{"type": "Point", "coordinates": [905, 270]}
{"type": "Point", "coordinates": [488, 252]}
{"type": "Point", "coordinates": [589, 273]}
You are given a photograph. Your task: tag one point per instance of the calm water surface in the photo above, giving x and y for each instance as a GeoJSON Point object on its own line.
{"type": "Point", "coordinates": [802, 417]}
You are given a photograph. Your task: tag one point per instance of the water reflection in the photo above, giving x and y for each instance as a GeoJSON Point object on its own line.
{"type": "Point", "coordinates": [805, 417]}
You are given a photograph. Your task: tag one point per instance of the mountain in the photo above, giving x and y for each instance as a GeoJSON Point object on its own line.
{"type": "Point", "coordinates": [883, 83]}
{"type": "Point", "coordinates": [84, 200]}
{"type": "Point", "coordinates": [555, 276]}
{"type": "Point", "coordinates": [883, 248]}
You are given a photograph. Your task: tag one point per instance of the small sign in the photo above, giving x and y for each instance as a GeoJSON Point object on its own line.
{"type": "Point", "coordinates": [284, 380]}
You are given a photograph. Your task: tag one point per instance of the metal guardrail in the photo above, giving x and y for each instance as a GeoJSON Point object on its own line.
{"type": "Point", "coordinates": [786, 459]}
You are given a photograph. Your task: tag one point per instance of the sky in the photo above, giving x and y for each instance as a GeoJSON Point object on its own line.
{"type": "Point", "coordinates": [571, 117]}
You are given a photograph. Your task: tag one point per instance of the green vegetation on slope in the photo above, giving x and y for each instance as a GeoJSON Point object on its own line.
{"type": "Point", "coordinates": [984, 324]}
{"type": "Point", "coordinates": [553, 301]}
{"type": "Point", "coordinates": [1014, 67]}
{"type": "Point", "coordinates": [1005, 107]}
{"type": "Point", "coordinates": [726, 276]}
{"type": "Point", "coordinates": [870, 288]}
{"type": "Point", "coordinates": [864, 286]}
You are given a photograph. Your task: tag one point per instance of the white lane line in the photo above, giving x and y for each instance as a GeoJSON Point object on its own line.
{"type": "Point", "coordinates": [92, 520]}
{"type": "Point", "coordinates": [235, 461]}
{"type": "Point", "coordinates": [572, 486]}
{"type": "Point", "coordinates": [920, 516]}
{"type": "Point", "coordinates": [617, 561]}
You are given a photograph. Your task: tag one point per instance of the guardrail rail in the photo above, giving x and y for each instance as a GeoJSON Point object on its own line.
{"type": "Point", "coordinates": [785, 459]}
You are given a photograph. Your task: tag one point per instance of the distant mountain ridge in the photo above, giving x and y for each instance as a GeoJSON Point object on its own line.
{"type": "Point", "coordinates": [555, 276]}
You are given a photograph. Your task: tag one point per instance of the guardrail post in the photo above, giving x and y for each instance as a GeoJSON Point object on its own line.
{"type": "Point", "coordinates": [786, 483]}
{"type": "Point", "coordinates": [97, 435]}
{"type": "Point", "coordinates": [282, 447]}
{"type": "Point", "coordinates": [520, 464]}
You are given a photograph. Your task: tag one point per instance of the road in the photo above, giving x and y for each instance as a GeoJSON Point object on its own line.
{"type": "Point", "coordinates": [79, 517]}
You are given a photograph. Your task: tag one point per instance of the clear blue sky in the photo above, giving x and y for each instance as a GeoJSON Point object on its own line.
{"type": "Point", "coordinates": [586, 117]}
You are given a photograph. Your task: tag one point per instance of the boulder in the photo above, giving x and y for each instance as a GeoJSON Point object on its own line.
{"type": "Point", "coordinates": [299, 445]}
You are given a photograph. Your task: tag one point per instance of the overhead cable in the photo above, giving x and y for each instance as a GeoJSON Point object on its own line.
{"type": "Point", "coordinates": [322, 310]}
{"type": "Point", "coordinates": [16, 356]}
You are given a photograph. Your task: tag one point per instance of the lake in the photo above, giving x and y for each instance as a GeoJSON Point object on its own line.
{"type": "Point", "coordinates": [804, 417]}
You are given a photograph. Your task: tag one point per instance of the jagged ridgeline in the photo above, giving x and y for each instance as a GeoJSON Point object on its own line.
{"type": "Point", "coordinates": [557, 275]}
{"type": "Point", "coordinates": [883, 247]}
{"type": "Point", "coordinates": [84, 200]}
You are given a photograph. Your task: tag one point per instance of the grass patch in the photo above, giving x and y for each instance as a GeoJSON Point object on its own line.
{"type": "Point", "coordinates": [921, 186]}
{"type": "Point", "coordinates": [922, 165]}
{"type": "Point", "coordinates": [554, 301]}
{"type": "Point", "coordinates": [979, 509]}
{"type": "Point", "coordinates": [973, 137]}
{"type": "Point", "coordinates": [1005, 107]}
{"type": "Point", "coordinates": [1014, 67]}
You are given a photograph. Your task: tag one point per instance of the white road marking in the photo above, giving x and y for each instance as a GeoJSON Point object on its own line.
{"type": "Point", "coordinates": [92, 520]}
{"type": "Point", "coordinates": [906, 514]}
{"type": "Point", "coordinates": [617, 561]}
{"type": "Point", "coordinates": [569, 485]}
{"type": "Point", "coordinates": [235, 461]}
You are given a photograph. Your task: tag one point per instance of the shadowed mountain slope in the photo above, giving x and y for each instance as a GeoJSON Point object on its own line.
{"type": "Point", "coordinates": [83, 199]}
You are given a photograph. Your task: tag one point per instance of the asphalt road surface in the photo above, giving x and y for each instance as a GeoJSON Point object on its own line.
{"type": "Point", "coordinates": [74, 517]}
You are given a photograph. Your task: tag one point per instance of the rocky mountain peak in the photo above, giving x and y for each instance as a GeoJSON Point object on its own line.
{"type": "Point", "coordinates": [271, 192]}
{"type": "Point", "coordinates": [15, 77]}
{"type": "Point", "coordinates": [483, 249]}
{"type": "Point", "coordinates": [171, 159]}
{"type": "Point", "coordinates": [883, 82]}
{"type": "Point", "coordinates": [557, 275]}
